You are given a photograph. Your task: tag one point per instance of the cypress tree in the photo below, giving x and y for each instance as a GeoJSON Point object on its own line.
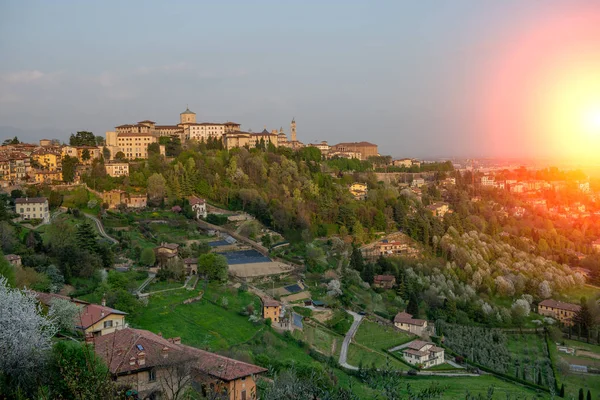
{"type": "Point", "coordinates": [589, 395]}
{"type": "Point", "coordinates": [562, 390]}
{"type": "Point", "coordinates": [581, 397]}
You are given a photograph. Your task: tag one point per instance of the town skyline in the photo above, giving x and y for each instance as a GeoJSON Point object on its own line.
{"type": "Point", "coordinates": [431, 81]}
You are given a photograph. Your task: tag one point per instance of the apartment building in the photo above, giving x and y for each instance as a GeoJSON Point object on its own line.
{"type": "Point", "coordinates": [33, 208]}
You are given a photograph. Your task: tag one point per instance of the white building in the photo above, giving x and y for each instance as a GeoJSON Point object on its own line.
{"type": "Point", "coordinates": [33, 208]}
{"type": "Point", "coordinates": [203, 131]}
{"type": "Point", "coordinates": [426, 354]}
{"type": "Point", "coordinates": [198, 206]}
{"type": "Point", "coordinates": [116, 169]}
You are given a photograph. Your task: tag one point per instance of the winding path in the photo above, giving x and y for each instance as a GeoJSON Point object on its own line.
{"type": "Point", "coordinates": [101, 228]}
{"type": "Point", "coordinates": [349, 335]}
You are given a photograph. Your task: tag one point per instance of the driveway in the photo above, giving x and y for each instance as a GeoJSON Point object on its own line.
{"type": "Point", "coordinates": [101, 228]}
{"type": "Point", "coordinates": [349, 335]}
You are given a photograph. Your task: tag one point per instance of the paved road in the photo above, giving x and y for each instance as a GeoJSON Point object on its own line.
{"type": "Point", "coordinates": [101, 228]}
{"type": "Point", "coordinates": [393, 349]}
{"type": "Point", "coordinates": [349, 335]}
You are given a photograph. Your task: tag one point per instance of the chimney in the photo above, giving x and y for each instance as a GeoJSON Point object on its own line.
{"type": "Point", "coordinates": [141, 358]}
{"type": "Point", "coordinates": [160, 334]}
{"type": "Point", "coordinates": [104, 300]}
{"type": "Point", "coordinates": [132, 361]}
{"type": "Point", "coordinates": [89, 338]}
{"type": "Point", "coordinates": [164, 352]}
{"type": "Point", "coordinates": [175, 340]}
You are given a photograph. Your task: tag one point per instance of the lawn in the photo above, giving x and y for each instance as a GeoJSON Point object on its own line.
{"type": "Point", "coordinates": [200, 324]}
{"type": "Point", "coordinates": [326, 342]}
{"type": "Point", "coordinates": [528, 357]}
{"type": "Point", "coordinates": [157, 285]}
{"type": "Point", "coordinates": [380, 337]}
{"type": "Point", "coordinates": [456, 387]}
{"type": "Point", "coordinates": [574, 381]}
{"type": "Point", "coordinates": [340, 322]}
{"type": "Point", "coordinates": [358, 354]}
{"type": "Point", "coordinates": [575, 295]}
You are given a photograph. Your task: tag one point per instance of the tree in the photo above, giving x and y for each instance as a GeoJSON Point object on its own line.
{"type": "Point", "coordinates": [120, 156]}
{"type": "Point", "coordinates": [85, 155]}
{"type": "Point", "coordinates": [86, 237]}
{"type": "Point", "coordinates": [7, 271]}
{"type": "Point", "coordinates": [99, 141]}
{"type": "Point", "coordinates": [584, 319]}
{"type": "Point", "coordinates": [22, 317]}
{"type": "Point", "coordinates": [413, 305]}
{"type": "Point", "coordinates": [213, 266]}
{"type": "Point", "coordinates": [157, 187]}
{"type": "Point", "coordinates": [153, 148]}
{"type": "Point", "coordinates": [581, 395]}
{"type": "Point", "coordinates": [357, 261]}
{"type": "Point", "coordinates": [68, 168]}
{"type": "Point", "coordinates": [562, 390]}
{"type": "Point", "coordinates": [589, 395]}
{"type": "Point", "coordinates": [147, 257]}
{"type": "Point", "coordinates": [106, 153]}
{"type": "Point", "coordinates": [14, 140]}
{"type": "Point", "coordinates": [64, 313]}
{"type": "Point", "coordinates": [79, 373]}
{"type": "Point", "coordinates": [83, 138]}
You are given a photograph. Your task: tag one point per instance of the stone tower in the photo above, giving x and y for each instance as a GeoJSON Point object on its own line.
{"type": "Point", "coordinates": [293, 130]}
{"type": "Point", "coordinates": [187, 117]}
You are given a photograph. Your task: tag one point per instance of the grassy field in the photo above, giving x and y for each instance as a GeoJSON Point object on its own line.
{"type": "Point", "coordinates": [358, 354]}
{"type": "Point", "coordinates": [201, 324]}
{"type": "Point", "coordinates": [528, 352]}
{"type": "Point", "coordinates": [575, 295]}
{"type": "Point", "coordinates": [574, 381]}
{"type": "Point", "coordinates": [324, 341]}
{"type": "Point", "coordinates": [380, 337]}
{"type": "Point", "coordinates": [157, 285]}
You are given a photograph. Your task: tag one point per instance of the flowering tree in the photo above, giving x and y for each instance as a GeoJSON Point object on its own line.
{"type": "Point", "coordinates": [25, 335]}
{"type": "Point", "coordinates": [334, 288]}
{"type": "Point", "coordinates": [64, 313]}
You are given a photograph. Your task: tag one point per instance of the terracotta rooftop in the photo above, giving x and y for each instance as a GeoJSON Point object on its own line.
{"type": "Point", "coordinates": [196, 200]}
{"type": "Point", "coordinates": [170, 246]}
{"type": "Point", "coordinates": [31, 200]}
{"type": "Point", "coordinates": [406, 318]}
{"type": "Point", "coordinates": [93, 313]}
{"type": "Point", "coordinates": [12, 257]}
{"type": "Point", "coordinates": [384, 278]}
{"type": "Point", "coordinates": [46, 298]}
{"type": "Point", "coordinates": [417, 344]}
{"type": "Point", "coordinates": [270, 303]}
{"type": "Point", "coordinates": [560, 305]}
{"type": "Point", "coordinates": [125, 348]}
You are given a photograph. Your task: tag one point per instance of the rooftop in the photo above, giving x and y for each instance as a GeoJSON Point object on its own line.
{"type": "Point", "coordinates": [93, 313]}
{"type": "Point", "coordinates": [31, 200]}
{"type": "Point", "coordinates": [560, 305]}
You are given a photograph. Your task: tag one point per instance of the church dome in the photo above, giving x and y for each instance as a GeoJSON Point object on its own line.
{"type": "Point", "coordinates": [187, 111]}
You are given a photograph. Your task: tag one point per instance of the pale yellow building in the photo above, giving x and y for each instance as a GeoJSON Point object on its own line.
{"type": "Point", "coordinates": [359, 191]}
{"type": "Point", "coordinates": [42, 176]}
{"type": "Point", "coordinates": [99, 320]}
{"type": "Point", "coordinates": [272, 310]}
{"type": "Point", "coordinates": [116, 169]}
{"type": "Point", "coordinates": [203, 131]}
{"type": "Point", "coordinates": [563, 312]}
{"type": "Point", "coordinates": [47, 160]}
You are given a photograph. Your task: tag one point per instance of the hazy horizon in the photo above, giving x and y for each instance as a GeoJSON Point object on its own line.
{"type": "Point", "coordinates": [420, 79]}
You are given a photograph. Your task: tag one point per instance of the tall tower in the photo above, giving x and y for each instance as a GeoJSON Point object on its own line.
{"type": "Point", "coordinates": [293, 130]}
{"type": "Point", "coordinates": [187, 117]}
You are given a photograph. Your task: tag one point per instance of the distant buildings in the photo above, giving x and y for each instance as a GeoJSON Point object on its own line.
{"type": "Point", "coordinates": [272, 310]}
{"type": "Point", "coordinates": [115, 198]}
{"type": "Point", "coordinates": [384, 281]}
{"type": "Point", "coordinates": [33, 208]}
{"type": "Point", "coordinates": [360, 150]}
{"type": "Point", "coordinates": [439, 209]}
{"type": "Point", "coordinates": [116, 169]}
{"type": "Point", "coordinates": [13, 259]}
{"type": "Point", "coordinates": [359, 191]}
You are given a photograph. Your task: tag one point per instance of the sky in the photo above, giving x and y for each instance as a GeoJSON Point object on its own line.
{"type": "Point", "coordinates": [423, 78]}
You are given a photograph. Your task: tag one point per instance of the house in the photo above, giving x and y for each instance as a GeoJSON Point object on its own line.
{"type": "Point", "coordinates": [271, 309]}
{"type": "Point", "coordinates": [156, 367]}
{"type": "Point", "coordinates": [47, 298]}
{"type": "Point", "coordinates": [425, 354]}
{"type": "Point", "coordinates": [384, 281]}
{"type": "Point", "coordinates": [418, 182]}
{"type": "Point", "coordinates": [387, 247]}
{"type": "Point", "coordinates": [33, 208]}
{"type": "Point", "coordinates": [191, 266]}
{"type": "Point", "coordinates": [198, 206]}
{"type": "Point", "coordinates": [406, 322]}
{"type": "Point", "coordinates": [116, 169]}
{"type": "Point", "coordinates": [113, 198]}
{"type": "Point", "coordinates": [136, 201]}
{"type": "Point", "coordinates": [166, 252]}
{"type": "Point", "coordinates": [596, 245]}
{"type": "Point", "coordinates": [13, 260]}
{"type": "Point", "coordinates": [359, 191]}
{"type": "Point", "coordinates": [563, 312]}
{"type": "Point", "coordinates": [438, 209]}
{"type": "Point", "coordinates": [99, 320]}
{"type": "Point", "coordinates": [42, 176]}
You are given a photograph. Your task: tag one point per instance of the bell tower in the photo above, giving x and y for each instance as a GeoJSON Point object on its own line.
{"type": "Point", "coordinates": [293, 130]}
{"type": "Point", "coordinates": [187, 117]}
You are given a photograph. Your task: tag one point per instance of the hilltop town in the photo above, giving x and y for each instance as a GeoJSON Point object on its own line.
{"type": "Point", "coordinates": [198, 260]}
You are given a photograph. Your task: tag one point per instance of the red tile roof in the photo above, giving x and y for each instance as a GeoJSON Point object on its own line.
{"type": "Point", "coordinates": [270, 303]}
{"type": "Point", "coordinates": [46, 298]}
{"type": "Point", "coordinates": [406, 318]}
{"type": "Point", "coordinates": [121, 350]}
{"type": "Point", "coordinates": [560, 305]}
{"type": "Point", "coordinates": [93, 313]}
{"type": "Point", "coordinates": [196, 200]}
{"type": "Point", "coordinates": [384, 278]}
{"type": "Point", "coordinates": [222, 367]}
{"type": "Point", "coordinates": [31, 200]}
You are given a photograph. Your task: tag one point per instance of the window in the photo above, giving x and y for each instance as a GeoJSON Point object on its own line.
{"type": "Point", "coordinates": [108, 324]}
{"type": "Point", "coordinates": [151, 375]}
